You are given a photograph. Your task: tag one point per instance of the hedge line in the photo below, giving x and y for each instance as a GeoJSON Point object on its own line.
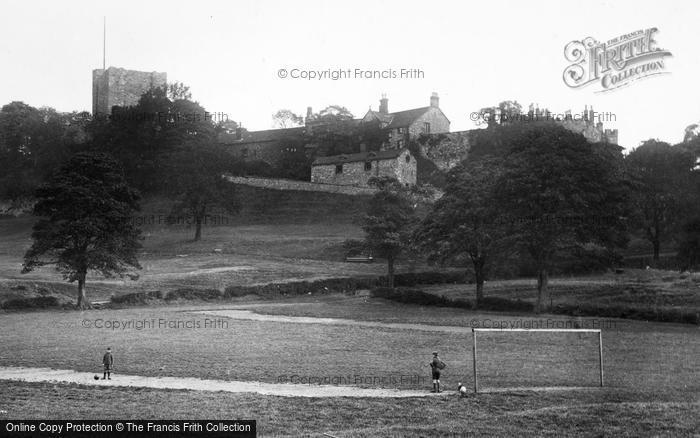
{"type": "Point", "coordinates": [31, 303]}
{"type": "Point", "coordinates": [640, 313]}
{"type": "Point", "coordinates": [137, 297]}
{"type": "Point", "coordinates": [415, 296]}
{"type": "Point", "coordinates": [271, 290]}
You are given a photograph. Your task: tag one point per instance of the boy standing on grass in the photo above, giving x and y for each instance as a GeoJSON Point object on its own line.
{"type": "Point", "coordinates": [108, 362]}
{"type": "Point", "coordinates": [436, 365]}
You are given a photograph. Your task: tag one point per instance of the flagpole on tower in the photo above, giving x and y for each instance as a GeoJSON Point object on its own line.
{"type": "Point", "coordinates": [104, 42]}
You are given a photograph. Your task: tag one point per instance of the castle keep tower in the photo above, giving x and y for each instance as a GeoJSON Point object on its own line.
{"type": "Point", "coordinates": [121, 87]}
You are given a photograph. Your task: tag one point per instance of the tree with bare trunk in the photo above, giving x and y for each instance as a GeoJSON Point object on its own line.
{"type": "Point", "coordinates": [663, 195]}
{"type": "Point", "coordinates": [389, 221]}
{"type": "Point", "coordinates": [558, 192]}
{"type": "Point", "coordinates": [464, 222]}
{"type": "Point", "coordinates": [196, 183]}
{"type": "Point", "coordinates": [284, 119]}
{"type": "Point", "coordinates": [86, 222]}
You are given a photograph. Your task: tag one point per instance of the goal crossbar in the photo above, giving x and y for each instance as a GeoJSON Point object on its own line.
{"type": "Point", "coordinates": [476, 330]}
{"type": "Point", "coordinates": [534, 330]}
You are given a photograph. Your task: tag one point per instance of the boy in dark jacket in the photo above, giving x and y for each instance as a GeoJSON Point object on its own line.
{"type": "Point", "coordinates": [436, 365]}
{"type": "Point", "coordinates": [108, 362]}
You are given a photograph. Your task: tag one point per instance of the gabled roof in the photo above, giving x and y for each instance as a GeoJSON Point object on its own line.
{"type": "Point", "coordinates": [406, 118]}
{"type": "Point", "coordinates": [386, 118]}
{"type": "Point", "coordinates": [399, 119]}
{"type": "Point", "coordinates": [268, 135]}
{"type": "Point", "coordinates": [362, 156]}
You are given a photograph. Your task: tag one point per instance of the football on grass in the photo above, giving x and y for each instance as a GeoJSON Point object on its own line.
{"type": "Point", "coordinates": [97, 377]}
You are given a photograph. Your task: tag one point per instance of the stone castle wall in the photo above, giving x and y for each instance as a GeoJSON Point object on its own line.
{"type": "Point", "coordinates": [446, 150]}
{"type": "Point", "coordinates": [286, 184]}
{"type": "Point", "coordinates": [121, 87]}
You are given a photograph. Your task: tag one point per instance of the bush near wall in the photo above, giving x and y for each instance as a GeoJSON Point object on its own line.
{"type": "Point", "coordinates": [136, 297]}
{"type": "Point", "coordinates": [415, 296]}
{"type": "Point", "coordinates": [414, 278]}
{"type": "Point", "coordinates": [330, 285]}
{"type": "Point", "coordinates": [194, 294]}
{"type": "Point", "coordinates": [31, 303]}
{"type": "Point", "coordinates": [668, 263]}
{"type": "Point", "coordinates": [272, 290]}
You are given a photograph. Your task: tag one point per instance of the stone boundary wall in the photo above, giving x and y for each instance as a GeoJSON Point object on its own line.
{"type": "Point", "coordinates": [287, 184]}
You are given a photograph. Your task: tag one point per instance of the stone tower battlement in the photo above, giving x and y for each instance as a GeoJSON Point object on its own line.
{"type": "Point", "coordinates": [120, 87]}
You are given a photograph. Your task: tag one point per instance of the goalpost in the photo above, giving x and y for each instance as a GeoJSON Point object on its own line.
{"type": "Point", "coordinates": [476, 330]}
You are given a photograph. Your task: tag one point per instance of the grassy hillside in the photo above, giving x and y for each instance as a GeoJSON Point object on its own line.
{"type": "Point", "coordinates": [277, 236]}
{"type": "Point", "coordinates": [261, 205]}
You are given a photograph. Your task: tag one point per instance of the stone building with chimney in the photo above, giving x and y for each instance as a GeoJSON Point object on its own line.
{"type": "Point", "coordinates": [400, 127]}
{"type": "Point", "coordinates": [409, 124]}
{"type": "Point", "coordinates": [268, 146]}
{"type": "Point", "coordinates": [357, 169]}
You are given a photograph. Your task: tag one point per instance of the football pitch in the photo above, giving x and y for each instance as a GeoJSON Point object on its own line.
{"type": "Point", "coordinates": [350, 366]}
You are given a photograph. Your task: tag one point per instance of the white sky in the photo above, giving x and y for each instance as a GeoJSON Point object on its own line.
{"type": "Point", "coordinates": [474, 54]}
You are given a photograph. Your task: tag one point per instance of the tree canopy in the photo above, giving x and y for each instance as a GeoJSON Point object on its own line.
{"type": "Point", "coordinates": [465, 221]}
{"type": "Point", "coordinates": [86, 222]}
{"type": "Point", "coordinates": [558, 192]}
{"type": "Point", "coordinates": [662, 176]}
{"type": "Point", "coordinates": [388, 222]}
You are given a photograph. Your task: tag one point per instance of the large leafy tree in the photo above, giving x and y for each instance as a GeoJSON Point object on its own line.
{"type": "Point", "coordinates": [143, 136]}
{"type": "Point", "coordinates": [86, 224]}
{"type": "Point", "coordinates": [197, 184]}
{"type": "Point", "coordinates": [465, 221]}
{"type": "Point", "coordinates": [662, 176]}
{"type": "Point", "coordinates": [333, 113]}
{"type": "Point", "coordinates": [285, 118]}
{"type": "Point", "coordinates": [388, 223]}
{"type": "Point", "coordinates": [33, 142]}
{"type": "Point", "coordinates": [558, 192]}
{"type": "Point", "coordinates": [689, 246]}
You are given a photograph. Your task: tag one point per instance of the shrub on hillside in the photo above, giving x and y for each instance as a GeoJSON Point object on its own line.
{"type": "Point", "coordinates": [415, 296]}
{"type": "Point", "coordinates": [194, 294]}
{"type": "Point", "coordinates": [136, 297]}
{"type": "Point", "coordinates": [330, 285]}
{"type": "Point", "coordinates": [31, 303]}
{"type": "Point", "coordinates": [416, 278]}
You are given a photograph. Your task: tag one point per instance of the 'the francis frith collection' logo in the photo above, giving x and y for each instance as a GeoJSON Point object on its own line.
{"type": "Point", "coordinates": [616, 62]}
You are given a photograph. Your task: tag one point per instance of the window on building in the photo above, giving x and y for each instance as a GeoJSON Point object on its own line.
{"type": "Point", "coordinates": [399, 144]}
{"type": "Point", "coordinates": [368, 165]}
{"type": "Point", "coordinates": [338, 168]}
{"type": "Point", "coordinates": [426, 127]}
{"type": "Point", "coordinates": [408, 158]}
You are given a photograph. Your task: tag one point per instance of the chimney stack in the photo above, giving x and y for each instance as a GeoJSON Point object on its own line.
{"type": "Point", "coordinates": [434, 100]}
{"type": "Point", "coordinates": [384, 105]}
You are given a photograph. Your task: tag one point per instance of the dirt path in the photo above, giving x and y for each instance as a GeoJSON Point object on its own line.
{"type": "Point", "coordinates": [276, 389]}
{"type": "Point", "coordinates": [252, 316]}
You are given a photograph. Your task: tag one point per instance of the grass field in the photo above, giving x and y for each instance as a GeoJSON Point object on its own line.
{"type": "Point", "coordinates": [602, 413]}
{"type": "Point", "coordinates": [652, 370]}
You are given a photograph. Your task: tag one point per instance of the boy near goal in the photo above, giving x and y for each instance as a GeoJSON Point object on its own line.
{"type": "Point", "coordinates": [436, 365]}
{"type": "Point", "coordinates": [108, 362]}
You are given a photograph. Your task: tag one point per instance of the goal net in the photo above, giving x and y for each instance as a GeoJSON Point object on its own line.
{"type": "Point", "coordinates": [506, 359]}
